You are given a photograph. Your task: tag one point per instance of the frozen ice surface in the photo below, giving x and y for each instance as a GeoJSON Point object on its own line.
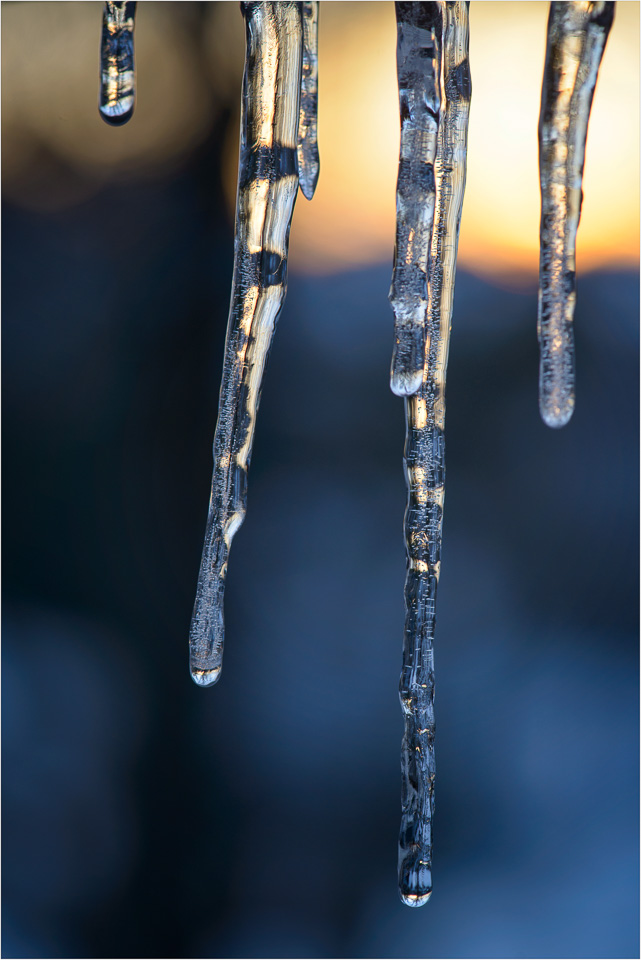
{"type": "Point", "coordinates": [425, 466]}
{"type": "Point", "coordinates": [267, 189]}
{"type": "Point", "coordinates": [577, 34]}
{"type": "Point", "coordinates": [418, 56]}
{"type": "Point", "coordinates": [308, 160]}
{"type": "Point", "coordinates": [117, 73]}
{"type": "Point", "coordinates": [279, 153]}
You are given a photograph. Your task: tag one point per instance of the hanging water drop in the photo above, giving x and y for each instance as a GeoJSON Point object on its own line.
{"type": "Point", "coordinates": [267, 189]}
{"type": "Point", "coordinates": [425, 444]}
{"type": "Point", "coordinates": [577, 34]}
{"type": "Point", "coordinates": [117, 73]}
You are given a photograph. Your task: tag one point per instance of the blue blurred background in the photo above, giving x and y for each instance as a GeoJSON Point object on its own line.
{"type": "Point", "coordinates": [145, 817]}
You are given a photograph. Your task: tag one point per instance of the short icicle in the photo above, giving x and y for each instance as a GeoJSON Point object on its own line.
{"type": "Point", "coordinates": [418, 56]}
{"type": "Point", "coordinates": [117, 72]}
{"type": "Point", "coordinates": [577, 34]}
{"type": "Point", "coordinates": [267, 189]}
{"type": "Point", "coordinates": [308, 159]}
{"type": "Point", "coordinates": [425, 469]}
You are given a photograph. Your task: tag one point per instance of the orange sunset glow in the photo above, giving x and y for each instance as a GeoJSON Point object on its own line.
{"type": "Point", "coordinates": [351, 218]}
{"type": "Point", "coordinates": [49, 112]}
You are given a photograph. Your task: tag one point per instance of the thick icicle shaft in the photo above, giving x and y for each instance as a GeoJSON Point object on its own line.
{"type": "Point", "coordinates": [577, 33]}
{"type": "Point", "coordinates": [418, 57]}
{"type": "Point", "coordinates": [308, 159]}
{"type": "Point", "coordinates": [425, 470]}
{"type": "Point", "coordinates": [117, 73]}
{"type": "Point", "coordinates": [267, 188]}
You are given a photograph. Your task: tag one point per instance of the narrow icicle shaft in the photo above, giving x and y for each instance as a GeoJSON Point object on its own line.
{"type": "Point", "coordinates": [267, 188]}
{"type": "Point", "coordinates": [425, 470]}
{"type": "Point", "coordinates": [117, 73]}
{"type": "Point", "coordinates": [577, 33]}
{"type": "Point", "coordinates": [418, 56]}
{"type": "Point", "coordinates": [308, 160]}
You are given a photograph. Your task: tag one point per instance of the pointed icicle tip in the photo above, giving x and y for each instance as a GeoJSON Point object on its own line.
{"type": "Point", "coordinates": [308, 184]}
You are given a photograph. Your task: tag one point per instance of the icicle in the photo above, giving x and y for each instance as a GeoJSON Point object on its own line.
{"type": "Point", "coordinates": [308, 160]}
{"type": "Point", "coordinates": [418, 56]}
{"type": "Point", "coordinates": [425, 470]}
{"type": "Point", "coordinates": [267, 188]}
{"type": "Point", "coordinates": [117, 74]}
{"type": "Point", "coordinates": [577, 33]}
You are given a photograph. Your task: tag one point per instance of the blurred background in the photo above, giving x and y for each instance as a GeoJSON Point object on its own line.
{"type": "Point", "coordinates": [144, 817]}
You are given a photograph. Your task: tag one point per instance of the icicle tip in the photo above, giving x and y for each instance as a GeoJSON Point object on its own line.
{"type": "Point", "coordinates": [117, 114]}
{"type": "Point", "coordinates": [556, 421]}
{"type": "Point", "coordinates": [406, 372]}
{"type": "Point", "coordinates": [415, 880]}
{"type": "Point", "coordinates": [205, 678]}
{"type": "Point", "coordinates": [413, 900]}
{"type": "Point", "coordinates": [556, 415]}
{"type": "Point", "coordinates": [405, 383]}
{"type": "Point", "coordinates": [308, 181]}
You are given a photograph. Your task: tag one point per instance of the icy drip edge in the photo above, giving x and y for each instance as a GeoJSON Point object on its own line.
{"type": "Point", "coordinates": [425, 471]}
{"type": "Point", "coordinates": [308, 158]}
{"type": "Point", "coordinates": [418, 60]}
{"type": "Point", "coordinates": [117, 71]}
{"type": "Point", "coordinates": [576, 38]}
{"type": "Point", "coordinates": [267, 190]}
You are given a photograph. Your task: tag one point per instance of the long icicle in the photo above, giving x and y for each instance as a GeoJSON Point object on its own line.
{"type": "Point", "coordinates": [308, 159]}
{"type": "Point", "coordinates": [418, 57]}
{"type": "Point", "coordinates": [425, 470]}
{"type": "Point", "coordinates": [577, 34]}
{"type": "Point", "coordinates": [267, 189]}
{"type": "Point", "coordinates": [117, 72]}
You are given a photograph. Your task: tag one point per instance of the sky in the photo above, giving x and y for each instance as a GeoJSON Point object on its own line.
{"type": "Point", "coordinates": [145, 817]}
{"type": "Point", "coordinates": [49, 109]}
{"type": "Point", "coordinates": [359, 136]}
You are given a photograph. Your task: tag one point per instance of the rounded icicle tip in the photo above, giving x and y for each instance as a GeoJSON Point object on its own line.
{"type": "Point", "coordinates": [205, 678]}
{"type": "Point", "coordinates": [414, 900]}
{"type": "Point", "coordinates": [557, 415]}
{"type": "Point", "coordinates": [408, 355]}
{"type": "Point", "coordinates": [117, 114]}
{"type": "Point", "coordinates": [415, 881]}
{"type": "Point", "coordinates": [405, 383]}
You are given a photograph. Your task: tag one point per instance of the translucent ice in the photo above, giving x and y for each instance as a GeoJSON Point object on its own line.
{"type": "Point", "coordinates": [308, 160]}
{"type": "Point", "coordinates": [577, 33]}
{"type": "Point", "coordinates": [425, 458]}
{"type": "Point", "coordinates": [267, 189]}
{"type": "Point", "coordinates": [117, 74]}
{"type": "Point", "coordinates": [418, 55]}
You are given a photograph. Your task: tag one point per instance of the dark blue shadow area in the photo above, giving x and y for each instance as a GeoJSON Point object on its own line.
{"type": "Point", "coordinates": [145, 817]}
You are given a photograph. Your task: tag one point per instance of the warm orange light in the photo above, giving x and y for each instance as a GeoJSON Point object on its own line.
{"type": "Point", "coordinates": [350, 221]}
{"type": "Point", "coordinates": [49, 108]}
